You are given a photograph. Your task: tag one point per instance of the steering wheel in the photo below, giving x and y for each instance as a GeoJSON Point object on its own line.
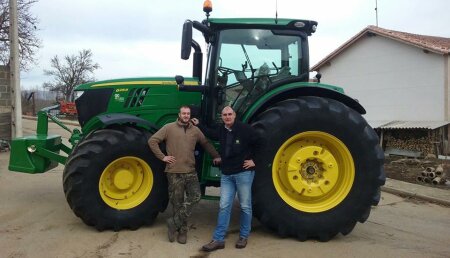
{"type": "Point", "coordinates": [225, 70]}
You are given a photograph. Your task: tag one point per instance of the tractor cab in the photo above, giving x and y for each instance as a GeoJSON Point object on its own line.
{"type": "Point", "coordinates": [246, 58]}
{"type": "Point", "coordinates": [249, 61]}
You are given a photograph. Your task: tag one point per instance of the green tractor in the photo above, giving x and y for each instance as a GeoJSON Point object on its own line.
{"type": "Point", "coordinates": [321, 167]}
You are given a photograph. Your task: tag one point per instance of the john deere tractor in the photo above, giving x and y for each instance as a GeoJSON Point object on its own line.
{"type": "Point", "coordinates": [318, 174]}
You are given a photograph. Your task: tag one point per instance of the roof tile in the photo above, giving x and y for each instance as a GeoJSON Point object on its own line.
{"type": "Point", "coordinates": [438, 44]}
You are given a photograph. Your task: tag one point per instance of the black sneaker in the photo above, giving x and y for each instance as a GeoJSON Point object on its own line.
{"type": "Point", "coordinates": [241, 243]}
{"type": "Point", "coordinates": [213, 245]}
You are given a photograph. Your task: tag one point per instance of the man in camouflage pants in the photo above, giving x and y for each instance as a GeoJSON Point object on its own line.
{"type": "Point", "coordinates": [180, 138]}
{"type": "Point", "coordinates": [179, 183]}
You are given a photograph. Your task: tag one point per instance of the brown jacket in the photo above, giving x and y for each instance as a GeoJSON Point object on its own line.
{"type": "Point", "coordinates": [180, 143]}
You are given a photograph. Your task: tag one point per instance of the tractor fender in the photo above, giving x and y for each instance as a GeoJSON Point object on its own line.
{"type": "Point", "coordinates": [119, 118]}
{"type": "Point", "coordinates": [283, 93]}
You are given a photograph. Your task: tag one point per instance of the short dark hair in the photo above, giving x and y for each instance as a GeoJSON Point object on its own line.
{"type": "Point", "coordinates": [184, 106]}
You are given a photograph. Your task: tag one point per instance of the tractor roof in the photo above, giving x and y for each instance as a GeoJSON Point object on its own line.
{"type": "Point", "coordinates": [283, 23]}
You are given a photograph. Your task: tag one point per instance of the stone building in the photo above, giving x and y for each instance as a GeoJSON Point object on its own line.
{"type": "Point", "coordinates": [5, 104]}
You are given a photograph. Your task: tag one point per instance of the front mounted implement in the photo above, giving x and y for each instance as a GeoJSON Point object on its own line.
{"type": "Point", "coordinates": [41, 152]}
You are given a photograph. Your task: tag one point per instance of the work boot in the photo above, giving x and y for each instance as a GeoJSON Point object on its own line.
{"type": "Point", "coordinates": [241, 243]}
{"type": "Point", "coordinates": [171, 230]}
{"type": "Point", "coordinates": [182, 237]}
{"type": "Point", "coordinates": [213, 245]}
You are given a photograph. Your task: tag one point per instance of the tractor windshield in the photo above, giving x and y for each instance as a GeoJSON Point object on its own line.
{"type": "Point", "coordinates": [250, 60]}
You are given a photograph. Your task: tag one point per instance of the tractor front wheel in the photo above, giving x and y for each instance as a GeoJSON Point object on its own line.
{"type": "Point", "coordinates": [113, 181]}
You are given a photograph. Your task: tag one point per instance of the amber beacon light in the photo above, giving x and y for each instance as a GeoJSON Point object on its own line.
{"type": "Point", "coordinates": [207, 7]}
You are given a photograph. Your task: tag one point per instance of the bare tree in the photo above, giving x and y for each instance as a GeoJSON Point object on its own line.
{"type": "Point", "coordinates": [70, 72]}
{"type": "Point", "coordinates": [34, 99]}
{"type": "Point", "coordinates": [27, 27]}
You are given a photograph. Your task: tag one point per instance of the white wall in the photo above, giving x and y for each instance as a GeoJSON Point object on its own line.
{"type": "Point", "coordinates": [392, 80]}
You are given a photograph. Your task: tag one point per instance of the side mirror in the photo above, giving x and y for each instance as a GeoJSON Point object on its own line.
{"type": "Point", "coordinates": [179, 79]}
{"type": "Point", "coordinates": [186, 40]}
{"type": "Point", "coordinates": [318, 76]}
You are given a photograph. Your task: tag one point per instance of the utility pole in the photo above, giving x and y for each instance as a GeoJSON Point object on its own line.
{"type": "Point", "coordinates": [14, 61]}
{"type": "Point", "coordinates": [376, 12]}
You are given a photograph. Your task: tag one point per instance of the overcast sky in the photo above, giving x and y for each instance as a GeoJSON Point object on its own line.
{"type": "Point", "coordinates": [141, 38]}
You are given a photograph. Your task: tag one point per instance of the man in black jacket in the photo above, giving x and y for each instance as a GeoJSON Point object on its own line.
{"type": "Point", "coordinates": [238, 143]}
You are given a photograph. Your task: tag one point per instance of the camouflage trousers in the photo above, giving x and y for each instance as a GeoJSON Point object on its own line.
{"type": "Point", "coordinates": [184, 193]}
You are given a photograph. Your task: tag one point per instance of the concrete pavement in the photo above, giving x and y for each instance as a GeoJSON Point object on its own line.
{"type": "Point", "coordinates": [426, 193]}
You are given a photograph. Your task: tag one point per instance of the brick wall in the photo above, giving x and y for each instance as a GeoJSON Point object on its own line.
{"type": "Point", "coordinates": [5, 104]}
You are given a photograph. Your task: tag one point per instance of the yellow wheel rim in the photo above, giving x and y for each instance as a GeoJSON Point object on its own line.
{"type": "Point", "coordinates": [313, 171]}
{"type": "Point", "coordinates": [126, 182]}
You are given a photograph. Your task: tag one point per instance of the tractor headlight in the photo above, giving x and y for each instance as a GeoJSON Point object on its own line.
{"type": "Point", "coordinates": [31, 148]}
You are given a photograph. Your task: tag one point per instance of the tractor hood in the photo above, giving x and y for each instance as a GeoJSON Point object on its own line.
{"type": "Point", "coordinates": [132, 96]}
{"type": "Point", "coordinates": [132, 82]}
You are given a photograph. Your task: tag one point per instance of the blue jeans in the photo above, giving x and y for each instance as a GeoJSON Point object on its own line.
{"type": "Point", "coordinates": [229, 185]}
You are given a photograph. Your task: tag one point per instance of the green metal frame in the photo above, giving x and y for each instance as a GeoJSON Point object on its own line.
{"type": "Point", "coordinates": [42, 130]}
{"type": "Point", "coordinates": [41, 152]}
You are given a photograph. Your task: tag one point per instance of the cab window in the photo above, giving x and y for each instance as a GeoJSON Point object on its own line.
{"type": "Point", "coordinates": [250, 60]}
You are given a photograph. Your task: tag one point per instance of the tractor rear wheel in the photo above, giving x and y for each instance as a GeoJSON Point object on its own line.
{"type": "Point", "coordinates": [113, 181]}
{"type": "Point", "coordinates": [320, 171]}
